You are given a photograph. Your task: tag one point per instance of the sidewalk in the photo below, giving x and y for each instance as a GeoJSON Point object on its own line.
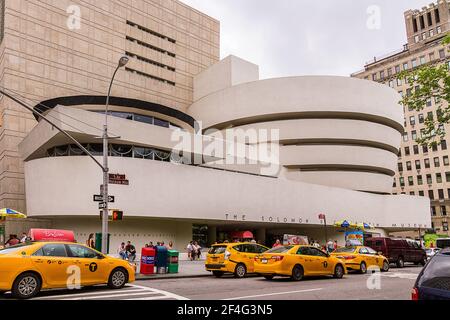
{"type": "Point", "coordinates": [187, 269]}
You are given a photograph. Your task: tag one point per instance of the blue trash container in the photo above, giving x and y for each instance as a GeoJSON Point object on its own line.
{"type": "Point", "coordinates": [161, 259]}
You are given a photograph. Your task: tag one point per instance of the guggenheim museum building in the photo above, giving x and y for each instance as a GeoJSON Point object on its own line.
{"type": "Point", "coordinates": [202, 149]}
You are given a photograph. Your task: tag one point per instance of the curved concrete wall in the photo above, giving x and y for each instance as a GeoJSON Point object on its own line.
{"type": "Point", "coordinates": [326, 124]}
{"type": "Point", "coordinates": [163, 190]}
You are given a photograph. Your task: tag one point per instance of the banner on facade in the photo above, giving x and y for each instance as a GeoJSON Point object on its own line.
{"type": "Point", "coordinates": [354, 238]}
{"type": "Point", "coordinates": [289, 239]}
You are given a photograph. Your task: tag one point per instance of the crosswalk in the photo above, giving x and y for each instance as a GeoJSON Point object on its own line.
{"type": "Point", "coordinates": [129, 292]}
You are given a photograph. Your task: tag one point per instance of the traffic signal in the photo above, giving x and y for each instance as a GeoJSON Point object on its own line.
{"type": "Point", "coordinates": [117, 215]}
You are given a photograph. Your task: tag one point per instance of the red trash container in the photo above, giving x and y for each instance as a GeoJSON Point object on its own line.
{"type": "Point", "coordinates": [148, 261]}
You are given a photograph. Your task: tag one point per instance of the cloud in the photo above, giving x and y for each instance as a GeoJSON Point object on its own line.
{"type": "Point", "coordinates": [298, 37]}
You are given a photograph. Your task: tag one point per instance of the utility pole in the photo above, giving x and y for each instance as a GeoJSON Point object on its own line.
{"type": "Point", "coordinates": [122, 62]}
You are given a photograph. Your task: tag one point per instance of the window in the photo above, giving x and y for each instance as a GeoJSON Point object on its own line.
{"type": "Point", "coordinates": [431, 194]}
{"type": "Point", "coordinates": [394, 185]}
{"type": "Point", "coordinates": [414, 135]}
{"type": "Point", "coordinates": [447, 177]}
{"type": "Point", "coordinates": [444, 145]}
{"type": "Point", "coordinates": [442, 53]}
{"type": "Point", "coordinates": [429, 179]}
{"type": "Point", "coordinates": [405, 66]}
{"type": "Point", "coordinates": [407, 152]}
{"type": "Point", "coordinates": [419, 180]}
{"type": "Point", "coordinates": [441, 194]}
{"type": "Point", "coordinates": [399, 83]}
{"type": "Point", "coordinates": [382, 75]}
{"type": "Point", "coordinates": [374, 76]}
{"type": "Point", "coordinates": [397, 69]}
{"type": "Point", "coordinates": [415, 26]}
{"type": "Point", "coordinates": [443, 210]}
{"type": "Point", "coordinates": [431, 55]}
{"type": "Point", "coordinates": [429, 103]}
{"type": "Point", "coordinates": [430, 20]}
{"type": "Point", "coordinates": [414, 63]}
{"type": "Point", "coordinates": [433, 211]}
{"type": "Point", "coordinates": [425, 149]}
{"type": "Point", "coordinates": [431, 33]}
{"type": "Point", "coordinates": [410, 181]}
{"type": "Point", "coordinates": [405, 137]}
{"type": "Point", "coordinates": [437, 16]}
{"type": "Point", "coordinates": [416, 38]}
{"type": "Point", "coordinates": [421, 118]}
{"type": "Point", "coordinates": [416, 149]}
{"type": "Point", "coordinates": [418, 167]}
{"type": "Point", "coordinates": [400, 167]}
{"type": "Point", "coordinates": [389, 72]}
{"type": "Point", "coordinates": [408, 166]}
{"type": "Point", "coordinates": [434, 147]}
{"type": "Point", "coordinates": [430, 115]}
{"type": "Point", "coordinates": [53, 250]}
{"type": "Point", "coordinates": [427, 163]}
{"type": "Point", "coordinates": [402, 182]}
{"type": "Point", "coordinates": [424, 36]}
{"type": "Point", "coordinates": [421, 193]}
{"type": "Point", "coordinates": [412, 120]}
{"type": "Point", "coordinates": [438, 178]}
{"type": "Point", "coordinates": [422, 60]}
{"type": "Point", "coordinates": [77, 251]}
{"type": "Point", "coordinates": [391, 83]}
{"type": "Point", "coordinates": [439, 30]}
{"type": "Point", "coordinates": [446, 161]}
{"type": "Point", "coordinates": [422, 22]}
{"type": "Point", "coordinates": [436, 162]}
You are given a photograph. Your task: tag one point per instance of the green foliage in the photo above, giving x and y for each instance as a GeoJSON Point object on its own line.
{"type": "Point", "coordinates": [429, 82]}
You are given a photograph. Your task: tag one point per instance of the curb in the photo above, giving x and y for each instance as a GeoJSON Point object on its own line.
{"type": "Point", "coordinates": [163, 277]}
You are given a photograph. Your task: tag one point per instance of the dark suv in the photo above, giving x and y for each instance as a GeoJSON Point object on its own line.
{"type": "Point", "coordinates": [398, 251]}
{"type": "Point", "coordinates": [433, 283]}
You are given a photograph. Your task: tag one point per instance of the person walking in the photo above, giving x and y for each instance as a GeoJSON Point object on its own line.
{"type": "Point", "coordinates": [170, 246]}
{"type": "Point", "coordinates": [131, 252]}
{"type": "Point", "coordinates": [90, 242]}
{"type": "Point", "coordinates": [277, 243]}
{"type": "Point", "coordinates": [122, 251]}
{"type": "Point", "coordinates": [12, 241]}
{"type": "Point", "coordinates": [190, 251]}
{"type": "Point", "coordinates": [198, 250]}
{"type": "Point", "coordinates": [335, 246]}
{"type": "Point", "coordinates": [330, 246]}
{"type": "Point", "coordinates": [24, 238]}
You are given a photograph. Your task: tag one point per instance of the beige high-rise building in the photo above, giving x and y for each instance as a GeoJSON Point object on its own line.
{"type": "Point", "coordinates": [64, 52]}
{"type": "Point", "coordinates": [421, 170]}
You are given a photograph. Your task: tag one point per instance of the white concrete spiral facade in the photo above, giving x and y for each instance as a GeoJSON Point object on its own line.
{"type": "Point", "coordinates": [334, 131]}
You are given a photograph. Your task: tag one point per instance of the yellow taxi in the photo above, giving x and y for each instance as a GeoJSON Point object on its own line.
{"type": "Point", "coordinates": [360, 258]}
{"type": "Point", "coordinates": [236, 258]}
{"type": "Point", "coordinates": [27, 268]}
{"type": "Point", "coordinates": [297, 262]}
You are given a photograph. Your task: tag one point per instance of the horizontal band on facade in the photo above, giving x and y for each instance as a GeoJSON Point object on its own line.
{"type": "Point", "coordinates": [309, 115]}
{"type": "Point", "coordinates": [341, 167]}
{"type": "Point", "coordinates": [343, 142]}
{"type": "Point", "coordinates": [114, 101]}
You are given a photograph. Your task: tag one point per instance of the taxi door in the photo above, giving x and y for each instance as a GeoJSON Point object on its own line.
{"type": "Point", "coordinates": [371, 257]}
{"type": "Point", "coordinates": [52, 262]}
{"type": "Point", "coordinates": [94, 269]}
{"type": "Point", "coordinates": [250, 251]}
{"type": "Point", "coordinates": [321, 264]}
{"type": "Point", "coordinates": [305, 257]}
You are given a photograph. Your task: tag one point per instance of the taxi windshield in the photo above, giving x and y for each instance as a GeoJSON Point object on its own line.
{"type": "Point", "coordinates": [345, 249]}
{"type": "Point", "coordinates": [13, 249]}
{"type": "Point", "coordinates": [217, 249]}
{"type": "Point", "coordinates": [280, 249]}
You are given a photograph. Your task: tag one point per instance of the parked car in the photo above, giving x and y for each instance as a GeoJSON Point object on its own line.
{"type": "Point", "coordinates": [433, 282]}
{"type": "Point", "coordinates": [431, 252]}
{"type": "Point", "coordinates": [443, 243]}
{"type": "Point", "coordinates": [398, 251]}
{"type": "Point", "coordinates": [236, 258]}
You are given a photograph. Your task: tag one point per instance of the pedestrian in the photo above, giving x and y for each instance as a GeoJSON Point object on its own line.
{"type": "Point", "coordinates": [150, 245]}
{"type": "Point", "coordinates": [330, 246]}
{"type": "Point", "coordinates": [190, 250]}
{"type": "Point", "coordinates": [198, 250]}
{"type": "Point", "coordinates": [253, 241]}
{"type": "Point", "coordinates": [131, 252]}
{"type": "Point", "coordinates": [24, 237]}
{"type": "Point", "coordinates": [277, 243]}
{"type": "Point", "coordinates": [170, 246]}
{"type": "Point", "coordinates": [12, 241]}
{"type": "Point", "coordinates": [122, 251]}
{"type": "Point", "coordinates": [316, 244]}
{"type": "Point", "coordinates": [335, 245]}
{"type": "Point", "coordinates": [90, 242]}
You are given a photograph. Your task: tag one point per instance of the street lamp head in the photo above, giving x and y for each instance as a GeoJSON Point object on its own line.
{"type": "Point", "coordinates": [123, 61]}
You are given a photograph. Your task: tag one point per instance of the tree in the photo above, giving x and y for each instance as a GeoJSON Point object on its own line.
{"type": "Point", "coordinates": [427, 83]}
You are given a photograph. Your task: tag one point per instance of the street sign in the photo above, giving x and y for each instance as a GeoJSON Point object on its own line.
{"type": "Point", "coordinates": [99, 198]}
{"type": "Point", "coordinates": [102, 205]}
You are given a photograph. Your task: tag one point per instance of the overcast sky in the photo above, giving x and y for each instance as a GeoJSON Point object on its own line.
{"type": "Point", "coordinates": [299, 37]}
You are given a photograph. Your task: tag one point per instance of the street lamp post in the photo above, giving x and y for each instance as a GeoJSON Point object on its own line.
{"type": "Point", "coordinates": [122, 62]}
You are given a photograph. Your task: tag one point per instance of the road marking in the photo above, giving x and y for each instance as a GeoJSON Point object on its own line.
{"type": "Point", "coordinates": [274, 294]}
{"type": "Point", "coordinates": [402, 275]}
{"type": "Point", "coordinates": [166, 293]}
{"type": "Point", "coordinates": [141, 293]}
{"type": "Point", "coordinates": [75, 293]}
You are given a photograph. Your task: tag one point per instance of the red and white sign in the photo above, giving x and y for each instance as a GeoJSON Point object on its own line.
{"type": "Point", "coordinates": [51, 235]}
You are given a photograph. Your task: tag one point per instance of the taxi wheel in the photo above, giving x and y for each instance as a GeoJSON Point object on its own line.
{"type": "Point", "coordinates": [218, 274]}
{"type": "Point", "coordinates": [385, 266]}
{"type": "Point", "coordinates": [363, 268]}
{"type": "Point", "coordinates": [118, 278]}
{"type": "Point", "coordinates": [339, 271]}
{"type": "Point", "coordinates": [269, 277]}
{"type": "Point", "coordinates": [240, 271]}
{"type": "Point", "coordinates": [26, 286]}
{"type": "Point", "coordinates": [297, 273]}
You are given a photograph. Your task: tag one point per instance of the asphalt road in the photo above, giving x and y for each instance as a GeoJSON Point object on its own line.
{"type": "Point", "coordinates": [393, 285]}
